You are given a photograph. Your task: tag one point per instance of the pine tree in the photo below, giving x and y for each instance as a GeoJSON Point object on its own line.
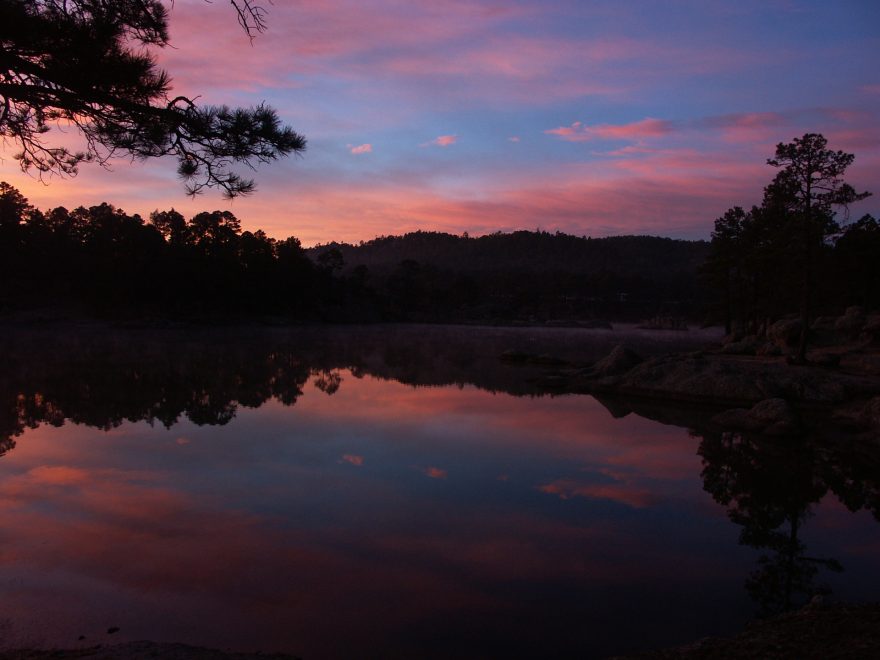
{"type": "Point", "coordinates": [88, 64]}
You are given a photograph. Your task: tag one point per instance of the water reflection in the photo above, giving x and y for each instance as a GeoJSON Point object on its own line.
{"type": "Point", "coordinates": [346, 513]}
{"type": "Point", "coordinates": [102, 378]}
{"type": "Point", "coordinates": [770, 487]}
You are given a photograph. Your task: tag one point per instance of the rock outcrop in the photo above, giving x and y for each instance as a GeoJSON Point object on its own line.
{"type": "Point", "coordinates": [870, 416]}
{"type": "Point", "coordinates": [851, 323]}
{"type": "Point", "coordinates": [770, 417]}
{"type": "Point", "coordinates": [871, 330]}
{"type": "Point", "coordinates": [839, 391]}
{"type": "Point", "coordinates": [619, 361]}
{"type": "Point", "coordinates": [785, 333]}
{"type": "Point", "coordinates": [745, 346]}
{"type": "Point", "coordinates": [731, 380]}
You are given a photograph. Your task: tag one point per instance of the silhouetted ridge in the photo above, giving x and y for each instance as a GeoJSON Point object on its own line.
{"type": "Point", "coordinates": [525, 276]}
{"type": "Point", "coordinates": [527, 250]}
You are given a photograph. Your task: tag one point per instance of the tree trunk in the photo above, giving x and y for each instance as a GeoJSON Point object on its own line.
{"type": "Point", "coordinates": [807, 281]}
{"type": "Point", "coordinates": [728, 305]}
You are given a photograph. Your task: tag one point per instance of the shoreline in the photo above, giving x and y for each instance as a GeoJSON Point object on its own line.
{"type": "Point", "coordinates": [835, 631]}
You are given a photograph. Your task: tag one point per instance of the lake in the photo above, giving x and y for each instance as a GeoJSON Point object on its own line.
{"type": "Point", "coordinates": [390, 491]}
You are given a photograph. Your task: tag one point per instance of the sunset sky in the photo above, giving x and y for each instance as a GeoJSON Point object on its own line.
{"type": "Point", "coordinates": [589, 117]}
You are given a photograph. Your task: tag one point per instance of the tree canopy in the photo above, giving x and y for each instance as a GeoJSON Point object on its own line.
{"type": "Point", "coordinates": [91, 64]}
{"type": "Point", "coordinates": [760, 258]}
{"type": "Point", "coordinates": [808, 186]}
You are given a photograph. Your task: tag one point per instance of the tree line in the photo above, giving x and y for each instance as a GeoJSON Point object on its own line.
{"type": "Point", "coordinates": [103, 261]}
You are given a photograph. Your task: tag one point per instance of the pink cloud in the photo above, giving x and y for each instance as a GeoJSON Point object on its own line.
{"type": "Point", "coordinates": [435, 473]}
{"type": "Point", "coordinates": [361, 149]}
{"type": "Point", "coordinates": [354, 459]}
{"type": "Point", "coordinates": [635, 497]}
{"type": "Point", "coordinates": [580, 132]}
{"type": "Point", "coordinates": [746, 120]}
{"type": "Point", "coordinates": [759, 128]}
{"type": "Point", "coordinates": [442, 141]}
{"type": "Point", "coordinates": [629, 150]}
{"type": "Point", "coordinates": [850, 116]}
{"type": "Point", "coordinates": [58, 475]}
{"type": "Point", "coordinates": [575, 129]}
{"type": "Point", "coordinates": [513, 138]}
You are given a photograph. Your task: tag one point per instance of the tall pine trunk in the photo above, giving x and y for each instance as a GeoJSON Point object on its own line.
{"type": "Point", "coordinates": [806, 293]}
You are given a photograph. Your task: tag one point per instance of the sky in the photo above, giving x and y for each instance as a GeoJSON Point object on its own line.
{"type": "Point", "coordinates": [588, 117]}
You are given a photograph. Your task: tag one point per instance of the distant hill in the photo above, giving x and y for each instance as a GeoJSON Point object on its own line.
{"type": "Point", "coordinates": [524, 275]}
{"type": "Point", "coordinates": [527, 250]}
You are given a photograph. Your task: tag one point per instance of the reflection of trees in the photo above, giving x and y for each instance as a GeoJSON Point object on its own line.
{"type": "Point", "coordinates": [103, 377]}
{"type": "Point", "coordinates": [328, 381]}
{"type": "Point", "coordinates": [102, 386]}
{"type": "Point", "coordinates": [770, 486]}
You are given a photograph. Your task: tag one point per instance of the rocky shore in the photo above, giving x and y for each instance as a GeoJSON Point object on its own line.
{"type": "Point", "coordinates": [142, 650]}
{"type": "Point", "coordinates": [827, 632]}
{"type": "Point", "coordinates": [752, 383]}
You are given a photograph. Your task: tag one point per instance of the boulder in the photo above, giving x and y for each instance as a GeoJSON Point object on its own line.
{"type": "Point", "coordinates": [746, 346]}
{"type": "Point", "coordinates": [769, 349]}
{"type": "Point", "coordinates": [619, 361]}
{"type": "Point", "coordinates": [871, 330]}
{"type": "Point", "coordinates": [720, 379]}
{"type": "Point", "coordinates": [827, 360]}
{"type": "Point", "coordinates": [823, 323]}
{"type": "Point", "coordinates": [732, 337]}
{"type": "Point", "coordinates": [862, 363]}
{"type": "Point", "coordinates": [851, 323]}
{"type": "Point", "coordinates": [824, 333]}
{"type": "Point", "coordinates": [785, 333]}
{"type": "Point", "coordinates": [870, 416]}
{"type": "Point", "coordinates": [769, 417]}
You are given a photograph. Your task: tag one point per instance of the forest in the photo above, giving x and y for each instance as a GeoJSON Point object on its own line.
{"type": "Point", "coordinates": [100, 261]}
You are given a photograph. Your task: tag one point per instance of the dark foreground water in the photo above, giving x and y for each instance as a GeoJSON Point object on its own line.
{"type": "Point", "coordinates": [394, 492]}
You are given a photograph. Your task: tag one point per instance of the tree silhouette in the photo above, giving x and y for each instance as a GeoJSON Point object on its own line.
{"type": "Point", "coordinates": [87, 64]}
{"type": "Point", "coordinates": [769, 489]}
{"type": "Point", "coordinates": [724, 267]}
{"type": "Point", "coordinates": [13, 207]}
{"type": "Point", "coordinates": [858, 256]}
{"type": "Point", "coordinates": [759, 257]}
{"type": "Point", "coordinates": [809, 185]}
{"type": "Point", "coordinates": [172, 226]}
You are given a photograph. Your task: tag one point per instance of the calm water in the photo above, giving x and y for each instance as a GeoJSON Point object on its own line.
{"type": "Point", "coordinates": [392, 492]}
